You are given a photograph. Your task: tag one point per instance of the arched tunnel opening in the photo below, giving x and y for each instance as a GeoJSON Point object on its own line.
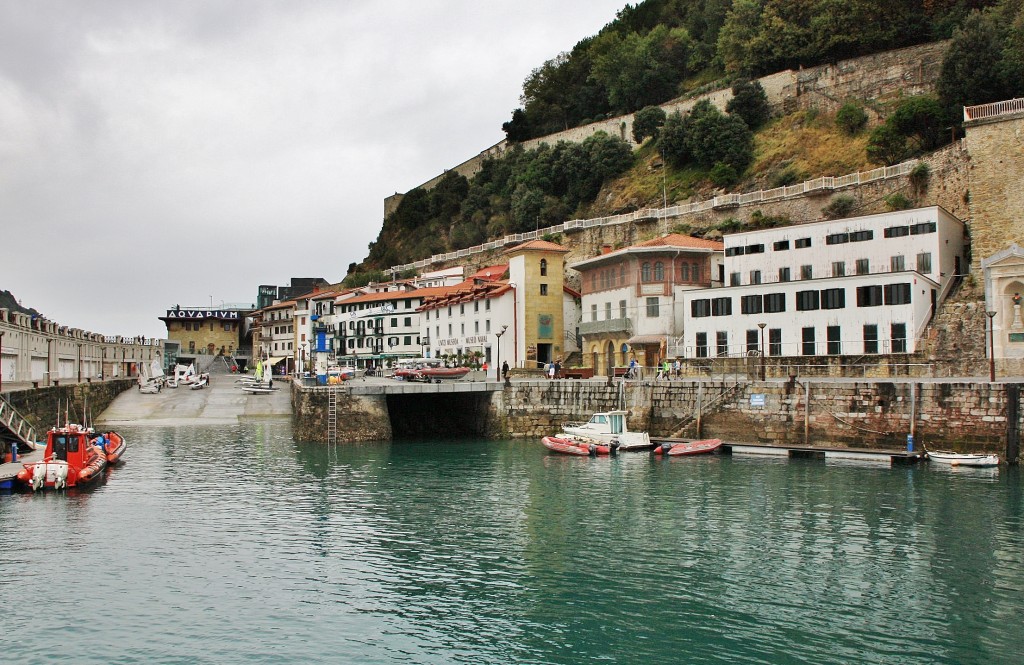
{"type": "Point", "coordinates": [441, 414]}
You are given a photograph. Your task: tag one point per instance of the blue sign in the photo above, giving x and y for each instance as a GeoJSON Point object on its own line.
{"type": "Point", "coordinates": [757, 399]}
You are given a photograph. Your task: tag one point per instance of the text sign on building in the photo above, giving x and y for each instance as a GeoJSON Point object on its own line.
{"type": "Point", "coordinates": [386, 308]}
{"type": "Point", "coordinates": [201, 314]}
{"type": "Point", "coordinates": [757, 399]}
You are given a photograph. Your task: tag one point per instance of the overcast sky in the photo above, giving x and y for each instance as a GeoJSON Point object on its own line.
{"type": "Point", "coordinates": [155, 153]}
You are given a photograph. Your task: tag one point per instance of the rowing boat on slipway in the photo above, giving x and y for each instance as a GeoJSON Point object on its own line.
{"type": "Point", "coordinates": [964, 459]}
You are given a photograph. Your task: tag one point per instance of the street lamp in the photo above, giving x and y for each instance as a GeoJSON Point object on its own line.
{"type": "Point", "coordinates": [991, 346]}
{"type": "Point", "coordinates": [497, 361]}
{"type": "Point", "coordinates": [761, 326]}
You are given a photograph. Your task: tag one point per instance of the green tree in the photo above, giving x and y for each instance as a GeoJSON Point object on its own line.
{"type": "Point", "coordinates": [886, 146]}
{"type": "Point", "coordinates": [672, 142]}
{"type": "Point", "coordinates": [851, 118]}
{"type": "Point", "coordinates": [715, 137]}
{"type": "Point", "coordinates": [920, 119]}
{"type": "Point", "coordinates": [749, 102]}
{"type": "Point", "coordinates": [647, 122]}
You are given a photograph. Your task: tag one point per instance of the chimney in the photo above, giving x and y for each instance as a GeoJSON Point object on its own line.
{"type": "Point", "coordinates": [606, 249]}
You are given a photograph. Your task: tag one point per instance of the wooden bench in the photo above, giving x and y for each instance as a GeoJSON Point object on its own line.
{"type": "Point", "coordinates": [578, 373]}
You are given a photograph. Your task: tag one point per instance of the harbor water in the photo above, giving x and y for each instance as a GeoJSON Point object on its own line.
{"type": "Point", "coordinates": [238, 544]}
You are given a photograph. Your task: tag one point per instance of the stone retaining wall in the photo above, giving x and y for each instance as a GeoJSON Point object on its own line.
{"type": "Point", "coordinates": [80, 401]}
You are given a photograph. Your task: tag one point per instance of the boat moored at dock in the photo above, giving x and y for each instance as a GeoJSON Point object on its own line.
{"type": "Point", "coordinates": [609, 427]}
{"type": "Point", "coordinates": [71, 459]}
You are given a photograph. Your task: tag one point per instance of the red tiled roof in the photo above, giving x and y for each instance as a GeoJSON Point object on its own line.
{"type": "Point", "coordinates": [490, 272]}
{"type": "Point", "coordinates": [573, 292]}
{"type": "Point", "coordinates": [680, 240]}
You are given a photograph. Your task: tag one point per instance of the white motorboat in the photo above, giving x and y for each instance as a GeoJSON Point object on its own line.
{"type": "Point", "coordinates": [609, 427]}
{"type": "Point", "coordinates": [964, 459]}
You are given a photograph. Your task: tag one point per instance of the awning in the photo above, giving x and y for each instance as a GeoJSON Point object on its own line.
{"type": "Point", "coordinates": [640, 340]}
{"type": "Point", "coordinates": [273, 361]}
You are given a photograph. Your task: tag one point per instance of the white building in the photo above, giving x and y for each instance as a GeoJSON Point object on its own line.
{"type": "Point", "coordinates": [864, 285]}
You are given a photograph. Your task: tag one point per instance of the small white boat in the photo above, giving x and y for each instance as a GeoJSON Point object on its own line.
{"type": "Point", "coordinates": [964, 459]}
{"type": "Point", "coordinates": [609, 427]}
{"type": "Point", "coordinates": [258, 390]}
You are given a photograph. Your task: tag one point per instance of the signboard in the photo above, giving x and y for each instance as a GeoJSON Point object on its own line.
{"type": "Point", "coordinates": [201, 314]}
{"type": "Point", "coordinates": [545, 326]}
{"type": "Point", "coordinates": [1017, 337]}
{"type": "Point", "coordinates": [757, 399]}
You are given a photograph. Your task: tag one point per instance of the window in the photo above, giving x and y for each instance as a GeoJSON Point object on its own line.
{"type": "Point", "coordinates": [806, 301]}
{"type": "Point", "coordinates": [784, 274]}
{"type": "Point", "coordinates": [228, 326]}
{"type": "Point", "coordinates": [394, 322]}
{"type": "Point", "coordinates": [775, 341]}
{"type": "Point", "coordinates": [755, 276]}
{"type": "Point", "coordinates": [734, 279]}
{"type": "Point", "coordinates": [407, 340]}
{"type": "Point", "coordinates": [462, 329]}
{"type": "Point", "coordinates": [752, 346]}
{"type": "Point", "coordinates": [607, 311]}
{"type": "Point", "coordinates": [476, 327]}
{"type": "Point", "coordinates": [807, 342]}
{"type": "Point", "coordinates": [897, 294]}
{"type": "Point", "coordinates": [659, 272]}
{"type": "Point", "coordinates": [863, 268]}
{"type": "Point", "coordinates": [837, 238]}
{"type": "Point", "coordinates": [835, 345]}
{"type": "Point", "coordinates": [833, 298]}
{"type": "Point", "coordinates": [702, 345]}
{"type": "Point", "coordinates": [924, 263]}
{"type": "Point", "coordinates": [806, 272]}
{"type": "Point", "coordinates": [543, 289]}
{"type": "Point", "coordinates": [781, 245]}
{"type": "Point", "coordinates": [408, 321]}
{"type": "Point", "coordinates": [755, 249]}
{"type": "Point", "coordinates": [652, 307]}
{"type": "Point", "coordinates": [734, 251]}
{"type": "Point", "coordinates": [543, 267]}
{"type": "Point", "coordinates": [721, 306]}
{"type": "Point", "coordinates": [870, 338]}
{"type": "Point", "coordinates": [896, 264]}
{"type": "Point", "coordinates": [896, 231]}
{"type": "Point", "coordinates": [861, 236]}
{"type": "Point", "coordinates": [722, 343]}
{"type": "Point", "coordinates": [774, 302]}
{"type": "Point", "coordinates": [898, 334]}
{"type": "Point", "coordinates": [802, 243]}
{"type": "Point", "coordinates": [684, 272]}
{"type": "Point", "coordinates": [700, 308]}
{"type": "Point", "coordinates": [593, 312]}
{"type": "Point", "coordinates": [924, 227]}
{"type": "Point", "coordinates": [839, 268]}
{"type": "Point", "coordinates": [645, 272]}
{"type": "Point", "coordinates": [869, 296]}
{"type": "Point", "coordinates": [408, 303]}
{"type": "Point", "coordinates": [622, 309]}
{"type": "Point", "coordinates": [487, 325]}
{"type": "Point", "coordinates": [487, 305]}
{"type": "Point", "coordinates": [751, 305]}
{"type": "Point", "coordinates": [476, 305]}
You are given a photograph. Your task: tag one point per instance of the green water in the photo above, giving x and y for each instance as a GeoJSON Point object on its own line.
{"type": "Point", "coordinates": [240, 545]}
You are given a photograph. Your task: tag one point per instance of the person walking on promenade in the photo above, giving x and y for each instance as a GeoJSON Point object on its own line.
{"type": "Point", "coordinates": [504, 370]}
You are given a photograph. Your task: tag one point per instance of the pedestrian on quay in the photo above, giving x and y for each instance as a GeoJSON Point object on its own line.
{"type": "Point", "coordinates": [504, 370]}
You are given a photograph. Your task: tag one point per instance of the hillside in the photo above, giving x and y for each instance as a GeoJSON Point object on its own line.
{"type": "Point", "coordinates": [876, 110]}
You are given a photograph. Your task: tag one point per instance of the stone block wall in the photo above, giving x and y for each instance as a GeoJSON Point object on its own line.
{"type": "Point", "coordinates": [360, 417]}
{"type": "Point", "coordinates": [80, 402]}
{"type": "Point", "coordinates": [996, 147]}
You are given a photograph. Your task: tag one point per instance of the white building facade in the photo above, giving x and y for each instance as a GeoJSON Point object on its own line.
{"type": "Point", "coordinates": [863, 285]}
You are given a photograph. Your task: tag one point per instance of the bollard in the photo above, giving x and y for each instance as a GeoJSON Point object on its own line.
{"type": "Point", "coordinates": [14, 451]}
{"type": "Point", "coordinates": [910, 443]}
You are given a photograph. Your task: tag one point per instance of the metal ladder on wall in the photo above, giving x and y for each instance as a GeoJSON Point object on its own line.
{"type": "Point", "coordinates": [16, 424]}
{"type": "Point", "coordinates": [332, 416]}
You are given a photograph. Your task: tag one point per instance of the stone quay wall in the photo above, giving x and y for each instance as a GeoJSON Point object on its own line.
{"type": "Point", "coordinates": [80, 402]}
{"type": "Point", "coordinates": [996, 146]}
{"type": "Point", "coordinates": [803, 411]}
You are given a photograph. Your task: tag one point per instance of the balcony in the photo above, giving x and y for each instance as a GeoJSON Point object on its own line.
{"type": "Point", "coordinates": [621, 325]}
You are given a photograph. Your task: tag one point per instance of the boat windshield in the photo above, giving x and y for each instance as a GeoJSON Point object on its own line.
{"type": "Point", "coordinates": [599, 419]}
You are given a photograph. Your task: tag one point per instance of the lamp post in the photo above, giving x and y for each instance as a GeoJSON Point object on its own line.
{"type": "Point", "coordinates": [761, 326]}
{"type": "Point", "coordinates": [497, 360]}
{"type": "Point", "coordinates": [991, 346]}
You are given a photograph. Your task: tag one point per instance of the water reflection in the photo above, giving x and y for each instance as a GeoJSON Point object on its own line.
{"type": "Point", "coordinates": [497, 552]}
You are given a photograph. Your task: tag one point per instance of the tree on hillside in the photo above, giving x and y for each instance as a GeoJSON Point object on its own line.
{"type": "Point", "coordinates": [920, 119]}
{"type": "Point", "coordinates": [672, 142]}
{"type": "Point", "coordinates": [749, 102]}
{"type": "Point", "coordinates": [647, 122]}
{"type": "Point", "coordinates": [887, 146]}
{"type": "Point", "coordinates": [985, 61]}
{"type": "Point", "coordinates": [715, 137]}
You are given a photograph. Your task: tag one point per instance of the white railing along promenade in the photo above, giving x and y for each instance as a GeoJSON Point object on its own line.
{"type": "Point", "coordinates": [994, 109]}
{"type": "Point", "coordinates": [820, 185]}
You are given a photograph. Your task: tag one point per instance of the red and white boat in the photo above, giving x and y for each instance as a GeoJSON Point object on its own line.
{"type": "Point", "coordinates": [115, 447]}
{"type": "Point", "coordinates": [579, 447]}
{"type": "Point", "coordinates": [701, 447]}
{"type": "Point", "coordinates": [429, 374]}
{"type": "Point", "coordinates": [71, 460]}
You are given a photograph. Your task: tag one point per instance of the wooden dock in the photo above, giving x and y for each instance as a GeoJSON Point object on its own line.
{"type": "Point", "coordinates": [9, 470]}
{"type": "Point", "coordinates": [870, 455]}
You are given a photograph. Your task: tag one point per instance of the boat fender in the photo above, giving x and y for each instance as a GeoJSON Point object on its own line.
{"type": "Point", "coordinates": [592, 449]}
{"type": "Point", "coordinates": [613, 449]}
